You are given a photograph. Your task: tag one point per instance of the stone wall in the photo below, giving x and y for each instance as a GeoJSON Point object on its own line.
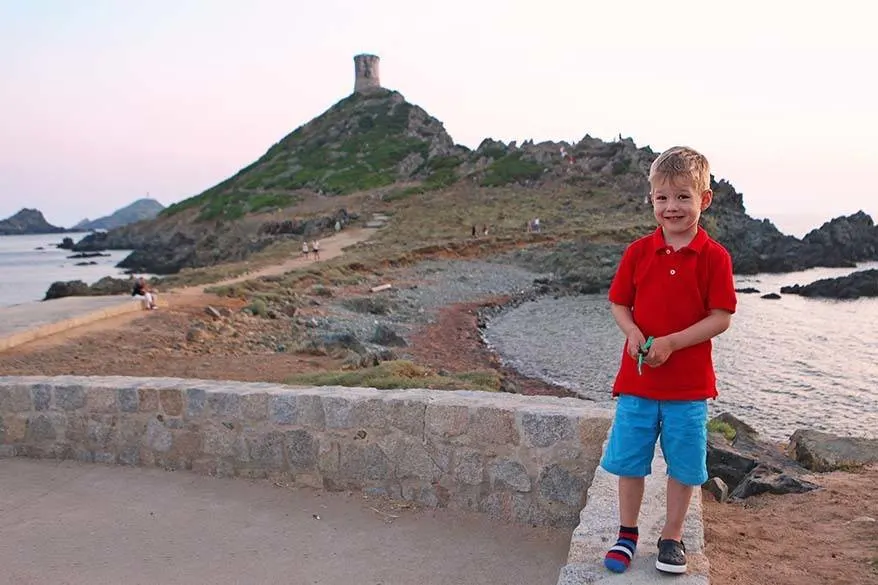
{"type": "Point", "coordinates": [516, 458]}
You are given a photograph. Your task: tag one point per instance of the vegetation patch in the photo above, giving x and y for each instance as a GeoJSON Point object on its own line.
{"type": "Point", "coordinates": [401, 374]}
{"type": "Point", "coordinates": [512, 168]}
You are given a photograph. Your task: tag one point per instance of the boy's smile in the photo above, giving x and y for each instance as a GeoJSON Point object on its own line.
{"type": "Point", "coordinates": [677, 208]}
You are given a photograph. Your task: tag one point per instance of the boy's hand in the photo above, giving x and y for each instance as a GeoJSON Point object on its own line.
{"type": "Point", "coordinates": [635, 341]}
{"type": "Point", "coordinates": [659, 352]}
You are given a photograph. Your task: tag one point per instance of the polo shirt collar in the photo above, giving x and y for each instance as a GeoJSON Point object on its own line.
{"type": "Point", "coordinates": [697, 243]}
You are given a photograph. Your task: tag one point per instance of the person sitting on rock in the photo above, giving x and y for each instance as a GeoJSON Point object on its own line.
{"type": "Point", "coordinates": [145, 294]}
{"type": "Point", "coordinates": [672, 293]}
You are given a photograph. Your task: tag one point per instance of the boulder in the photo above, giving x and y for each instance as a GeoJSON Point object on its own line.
{"type": "Point", "coordinates": [768, 479]}
{"type": "Point", "coordinates": [749, 465]}
{"type": "Point", "coordinates": [71, 288]}
{"type": "Point", "coordinates": [386, 336]}
{"type": "Point", "coordinates": [718, 488]}
{"type": "Point", "coordinates": [820, 451]}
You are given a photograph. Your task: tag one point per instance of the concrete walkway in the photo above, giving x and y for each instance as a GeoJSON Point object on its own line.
{"type": "Point", "coordinates": [599, 521]}
{"type": "Point", "coordinates": [78, 524]}
{"type": "Point", "coordinates": [29, 321]}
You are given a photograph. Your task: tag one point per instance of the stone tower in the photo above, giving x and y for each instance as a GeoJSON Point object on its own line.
{"type": "Point", "coordinates": [366, 70]}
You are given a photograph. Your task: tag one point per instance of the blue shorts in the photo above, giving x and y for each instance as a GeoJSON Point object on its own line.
{"type": "Point", "coordinates": [682, 426]}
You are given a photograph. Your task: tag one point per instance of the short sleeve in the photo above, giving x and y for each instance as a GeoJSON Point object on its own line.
{"type": "Point", "coordinates": [622, 287]}
{"type": "Point", "coordinates": [721, 291]}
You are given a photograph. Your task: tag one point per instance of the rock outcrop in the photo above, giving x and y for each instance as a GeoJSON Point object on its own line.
{"type": "Point", "coordinates": [77, 288]}
{"type": "Point", "coordinates": [28, 221]}
{"type": "Point", "coordinates": [750, 466]}
{"type": "Point", "coordinates": [863, 283]}
{"type": "Point", "coordinates": [820, 451]}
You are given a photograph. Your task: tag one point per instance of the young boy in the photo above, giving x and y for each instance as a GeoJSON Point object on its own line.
{"type": "Point", "coordinates": [672, 293]}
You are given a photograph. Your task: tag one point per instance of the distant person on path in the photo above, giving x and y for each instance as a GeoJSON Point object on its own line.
{"type": "Point", "coordinates": [672, 293]}
{"type": "Point", "coordinates": [305, 249]}
{"type": "Point", "coordinates": [337, 226]}
{"type": "Point", "coordinates": [144, 293]}
{"type": "Point", "coordinates": [474, 231]}
{"type": "Point", "coordinates": [315, 245]}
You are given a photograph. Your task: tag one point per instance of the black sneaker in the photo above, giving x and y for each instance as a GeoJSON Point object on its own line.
{"type": "Point", "coordinates": [671, 557]}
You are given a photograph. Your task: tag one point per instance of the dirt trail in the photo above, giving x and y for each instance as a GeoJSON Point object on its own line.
{"type": "Point", "coordinates": [330, 247]}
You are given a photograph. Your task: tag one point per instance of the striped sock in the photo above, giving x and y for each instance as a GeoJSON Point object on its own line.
{"type": "Point", "coordinates": [619, 556]}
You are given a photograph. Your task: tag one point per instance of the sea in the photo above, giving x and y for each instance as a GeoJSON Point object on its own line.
{"type": "Point", "coordinates": [29, 264]}
{"type": "Point", "coordinates": [783, 365]}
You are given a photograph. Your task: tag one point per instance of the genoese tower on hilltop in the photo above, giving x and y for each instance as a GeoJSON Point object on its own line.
{"type": "Point", "coordinates": [366, 71]}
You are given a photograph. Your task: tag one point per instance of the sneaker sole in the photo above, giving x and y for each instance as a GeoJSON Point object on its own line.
{"type": "Point", "coordinates": [666, 568]}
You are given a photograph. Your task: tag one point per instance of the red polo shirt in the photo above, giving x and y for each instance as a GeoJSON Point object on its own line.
{"type": "Point", "coordinates": [667, 292]}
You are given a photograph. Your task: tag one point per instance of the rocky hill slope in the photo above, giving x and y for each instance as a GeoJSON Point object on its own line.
{"type": "Point", "coordinates": [376, 149]}
{"type": "Point", "coordinates": [28, 221]}
{"type": "Point", "coordinates": [140, 210]}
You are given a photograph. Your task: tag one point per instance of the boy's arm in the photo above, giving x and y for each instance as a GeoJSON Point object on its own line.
{"type": "Point", "coordinates": [708, 328]}
{"type": "Point", "coordinates": [625, 321]}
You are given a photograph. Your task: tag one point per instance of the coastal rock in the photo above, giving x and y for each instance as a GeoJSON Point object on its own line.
{"type": "Point", "coordinates": [718, 488]}
{"type": "Point", "coordinates": [66, 244]}
{"type": "Point", "coordinates": [749, 466]}
{"type": "Point", "coordinates": [820, 451]}
{"type": "Point", "coordinates": [768, 479]}
{"type": "Point", "coordinates": [747, 290]}
{"type": "Point", "coordinates": [71, 288]}
{"type": "Point", "coordinates": [770, 296]}
{"type": "Point", "coordinates": [77, 288]}
{"type": "Point", "coordinates": [87, 255]}
{"type": "Point", "coordinates": [863, 283]}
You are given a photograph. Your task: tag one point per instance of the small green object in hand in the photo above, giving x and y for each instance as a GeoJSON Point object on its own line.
{"type": "Point", "coordinates": [641, 353]}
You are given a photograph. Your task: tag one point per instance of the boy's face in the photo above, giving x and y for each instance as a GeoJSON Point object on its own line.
{"type": "Point", "coordinates": [677, 206]}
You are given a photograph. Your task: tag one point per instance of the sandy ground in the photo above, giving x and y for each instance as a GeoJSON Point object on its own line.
{"type": "Point", "coordinates": [76, 524]}
{"type": "Point", "coordinates": [822, 537]}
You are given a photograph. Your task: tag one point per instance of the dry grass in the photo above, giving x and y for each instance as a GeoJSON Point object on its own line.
{"type": "Point", "coordinates": [401, 374]}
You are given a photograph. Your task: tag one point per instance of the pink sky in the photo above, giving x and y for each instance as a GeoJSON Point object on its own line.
{"type": "Point", "coordinates": [106, 101]}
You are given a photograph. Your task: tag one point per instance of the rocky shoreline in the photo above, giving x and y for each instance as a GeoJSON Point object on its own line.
{"type": "Point", "coordinates": [863, 283]}
{"type": "Point", "coordinates": [742, 464]}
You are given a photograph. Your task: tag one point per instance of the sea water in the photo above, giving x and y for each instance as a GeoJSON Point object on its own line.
{"type": "Point", "coordinates": [784, 364]}
{"type": "Point", "coordinates": [29, 264]}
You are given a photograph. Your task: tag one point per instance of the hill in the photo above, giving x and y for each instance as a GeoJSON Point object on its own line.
{"type": "Point", "coordinates": [375, 152]}
{"type": "Point", "coordinates": [28, 221]}
{"type": "Point", "coordinates": [138, 211]}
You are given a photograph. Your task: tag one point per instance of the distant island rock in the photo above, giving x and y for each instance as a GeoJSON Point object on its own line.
{"type": "Point", "coordinates": [140, 210]}
{"type": "Point", "coordinates": [28, 221]}
{"type": "Point", "coordinates": [863, 283]}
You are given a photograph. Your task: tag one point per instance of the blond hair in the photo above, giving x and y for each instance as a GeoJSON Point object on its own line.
{"type": "Point", "coordinates": [679, 164]}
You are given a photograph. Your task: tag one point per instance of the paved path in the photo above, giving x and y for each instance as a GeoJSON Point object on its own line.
{"type": "Point", "coordinates": [28, 321]}
{"type": "Point", "coordinates": [81, 524]}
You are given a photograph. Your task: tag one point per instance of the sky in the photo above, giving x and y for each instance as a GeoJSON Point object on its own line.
{"type": "Point", "coordinates": [103, 102]}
